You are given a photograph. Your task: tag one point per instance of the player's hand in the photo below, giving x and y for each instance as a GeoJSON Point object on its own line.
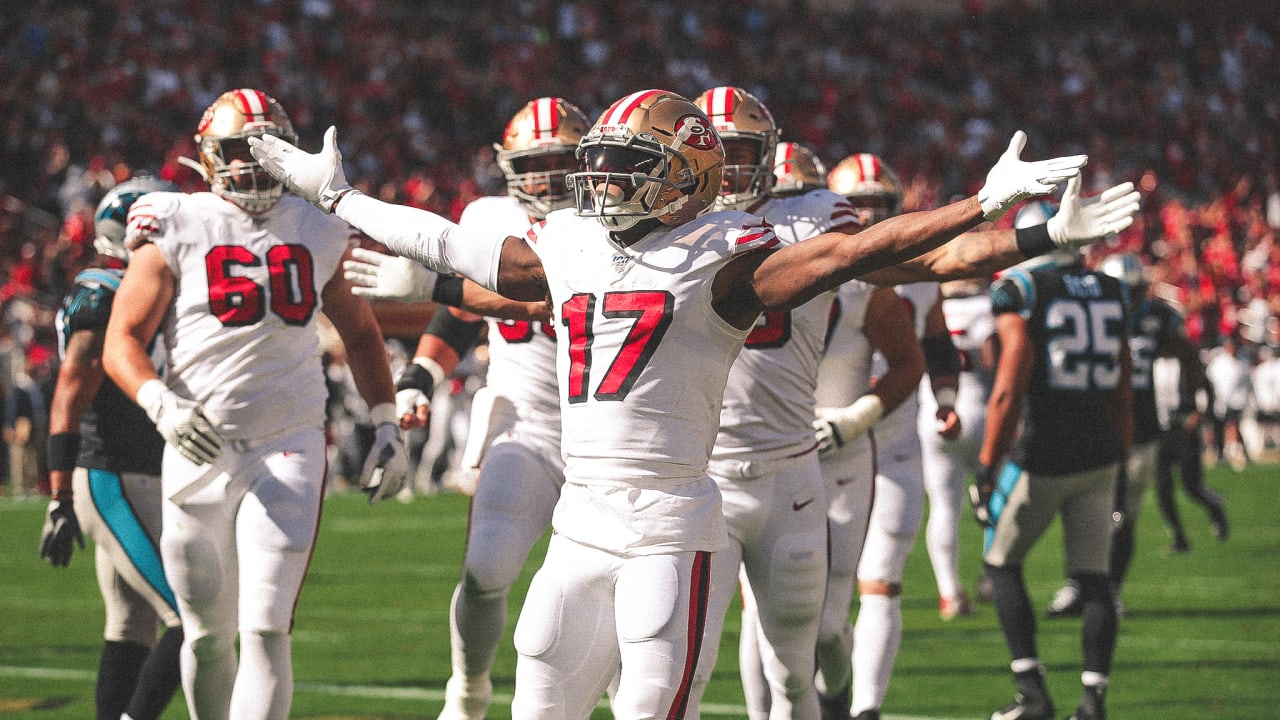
{"type": "Point", "coordinates": [1013, 179]}
{"type": "Point", "coordinates": [1080, 221]}
{"type": "Point", "coordinates": [388, 277]}
{"type": "Point", "coordinates": [980, 493]}
{"type": "Point", "coordinates": [61, 532]}
{"type": "Point", "coordinates": [836, 426]}
{"type": "Point", "coordinates": [315, 177]}
{"type": "Point", "coordinates": [181, 422]}
{"type": "Point", "coordinates": [948, 423]}
{"type": "Point", "coordinates": [414, 391]}
{"type": "Point", "coordinates": [387, 468]}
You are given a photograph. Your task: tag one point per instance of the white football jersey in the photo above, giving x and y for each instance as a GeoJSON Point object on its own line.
{"type": "Point", "coordinates": [642, 361]}
{"type": "Point", "coordinates": [522, 354]}
{"type": "Point", "coordinates": [970, 322]}
{"type": "Point", "coordinates": [844, 375]}
{"type": "Point", "coordinates": [241, 335]}
{"type": "Point", "coordinates": [900, 425]}
{"type": "Point", "coordinates": [768, 406]}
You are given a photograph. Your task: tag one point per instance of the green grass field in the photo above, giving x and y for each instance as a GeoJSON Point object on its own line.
{"type": "Point", "coordinates": [1202, 639]}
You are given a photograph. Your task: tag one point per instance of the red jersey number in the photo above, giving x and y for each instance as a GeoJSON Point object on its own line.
{"type": "Point", "coordinates": [650, 314]}
{"type": "Point", "coordinates": [238, 300]}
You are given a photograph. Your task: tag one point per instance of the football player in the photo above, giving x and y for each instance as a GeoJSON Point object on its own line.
{"type": "Point", "coordinates": [765, 459]}
{"type": "Point", "coordinates": [104, 477]}
{"type": "Point", "coordinates": [653, 298]}
{"type": "Point", "coordinates": [237, 278]}
{"type": "Point", "coordinates": [1059, 426]}
{"type": "Point", "coordinates": [947, 462]}
{"type": "Point", "coordinates": [1155, 330]}
{"type": "Point", "coordinates": [515, 421]}
{"type": "Point", "coordinates": [874, 539]}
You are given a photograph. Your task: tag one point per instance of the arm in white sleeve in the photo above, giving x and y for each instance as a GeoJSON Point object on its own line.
{"type": "Point", "coordinates": [425, 237]}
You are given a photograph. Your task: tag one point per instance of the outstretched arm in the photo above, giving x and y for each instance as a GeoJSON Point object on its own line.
{"type": "Point", "coordinates": [506, 265]}
{"type": "Point", "coordinates": [797, 273]}
{"type": "Point", "coordinates": [980, 253]}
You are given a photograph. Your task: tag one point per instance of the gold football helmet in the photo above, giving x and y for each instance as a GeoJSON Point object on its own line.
{"type": "Point", "coordinates": [870, 184]}
{"type": "Point", "coordinates": [652, 154]}
{"type": "Point", "coordinates": [222, 141]}
{"type": "Point", "coordinates": [537, 153]}
{"type": "Point", "coordinates": [797, 169]}
{"type": "Point", "coordinates": [750, 136]}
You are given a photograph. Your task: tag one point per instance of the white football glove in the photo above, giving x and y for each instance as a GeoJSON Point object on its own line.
{"type": "Point", "coordinates": [315, 177]}
{"type": "Point", "coordinates": [1013, 180]}
{"type": "Point", "coordinates": [1080, 221]}
{"type": "Point", "coordinates": [836, 426]}
{"type": "Point", "coordinates": [386, 469]}
{"type": "Point", "coordinates": [181, 422]}
{"type": "Point", "coordinates": [388, 277]}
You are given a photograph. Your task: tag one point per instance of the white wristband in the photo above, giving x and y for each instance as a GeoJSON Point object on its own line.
{"type": "Point", "coordinates": [148, 395]}
{"type": "Point", "coordinates": [384, 413]}
{"type": "Point", "coordinates": [426, 237]}
{"type": "Point", "coordinates": [946, 397]}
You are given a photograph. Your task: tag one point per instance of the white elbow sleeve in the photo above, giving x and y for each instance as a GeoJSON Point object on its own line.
{"type": "Point", "coordinates": [425, 237]}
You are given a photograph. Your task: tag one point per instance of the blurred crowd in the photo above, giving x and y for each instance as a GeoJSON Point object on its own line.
{"type": "Point", "coordinates": [1182, 103]}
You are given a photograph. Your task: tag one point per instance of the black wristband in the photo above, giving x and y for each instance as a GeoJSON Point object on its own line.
{"type": "Point", "coordinates": [448, 290]}
{"type": "Point", "coordinates": [1034, 241]}
{"type": "Point", "coordinates": [940, 356]}
{"type": "Point", "coordinates": [62, 450]}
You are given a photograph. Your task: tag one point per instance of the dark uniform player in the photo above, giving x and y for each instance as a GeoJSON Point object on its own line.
{"type": "Point", "coordinates": [104, 461]}
{"type": "Point", "coordinates": [1064, 371]}
{"type": "Point", "coordinates": [1155, 330]}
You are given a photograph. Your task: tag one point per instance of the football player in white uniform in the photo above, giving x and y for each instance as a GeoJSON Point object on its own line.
{"type": "Point", "coordinates": [104, 474]}
{"type": "Point", "coordinates": [516, 486]}
{"type": "Point", "coordinates": [653, 298]}
{"type": "Point", "coordinates": [947, 462]}
{"type": "Point", "coordinates": [765, 458]}
{"type": "Point", "coordinates": [236, 277]}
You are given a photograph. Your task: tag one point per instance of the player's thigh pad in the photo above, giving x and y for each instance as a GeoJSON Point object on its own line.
{"type": "Point", "coordinates": [510, 511]}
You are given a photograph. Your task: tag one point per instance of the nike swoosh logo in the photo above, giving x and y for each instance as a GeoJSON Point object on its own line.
{"type": "Point", "coordinates": [843, 481]}
{"type": "Point", "coordinates": [797, 506]}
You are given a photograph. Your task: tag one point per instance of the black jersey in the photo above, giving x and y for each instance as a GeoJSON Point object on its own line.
{"type": "Point", "coordinates": [116, 434]}
{"type": "Point", "coordinates": [1152, 325]}
{"type": "Point", "coordinates": [1076, 323]}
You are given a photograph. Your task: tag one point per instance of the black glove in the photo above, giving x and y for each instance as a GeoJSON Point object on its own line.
{"type": "Point", "coordinates": [980, 495]}
{"type": "Point", "coordinates": [61, 528]}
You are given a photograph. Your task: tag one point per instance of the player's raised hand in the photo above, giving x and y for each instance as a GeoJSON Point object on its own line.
{"type": "Point", "coordinates": [388, 277]}
{"type": "Point", "coordinates": [316, 177]}
{"type": "Point", "coordinates": [1081, 220]}
{"type": "Point", "coordinates": [1013, 179]}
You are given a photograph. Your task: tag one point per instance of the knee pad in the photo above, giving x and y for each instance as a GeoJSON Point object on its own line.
{"type": "Point", "coordinates": [799, 570]}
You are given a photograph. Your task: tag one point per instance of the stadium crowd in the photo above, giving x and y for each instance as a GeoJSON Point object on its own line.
{"type": "Point", "coordinates": [1184, 105]}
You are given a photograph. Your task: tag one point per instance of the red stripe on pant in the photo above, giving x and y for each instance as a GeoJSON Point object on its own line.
{"type": "Point", "coordinates": [699, 589]}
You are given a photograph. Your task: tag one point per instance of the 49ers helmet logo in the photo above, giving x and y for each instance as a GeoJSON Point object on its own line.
{"type": "Point", "coordinates": [694, 131]}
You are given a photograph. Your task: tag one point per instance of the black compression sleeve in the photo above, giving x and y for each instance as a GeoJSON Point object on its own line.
{"type": "Point", "coordinates": [940, 356]}
{"type": "Point", "coordinates": [456, 333]}
{"type": "Point", "coordinates": [448, 290]}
